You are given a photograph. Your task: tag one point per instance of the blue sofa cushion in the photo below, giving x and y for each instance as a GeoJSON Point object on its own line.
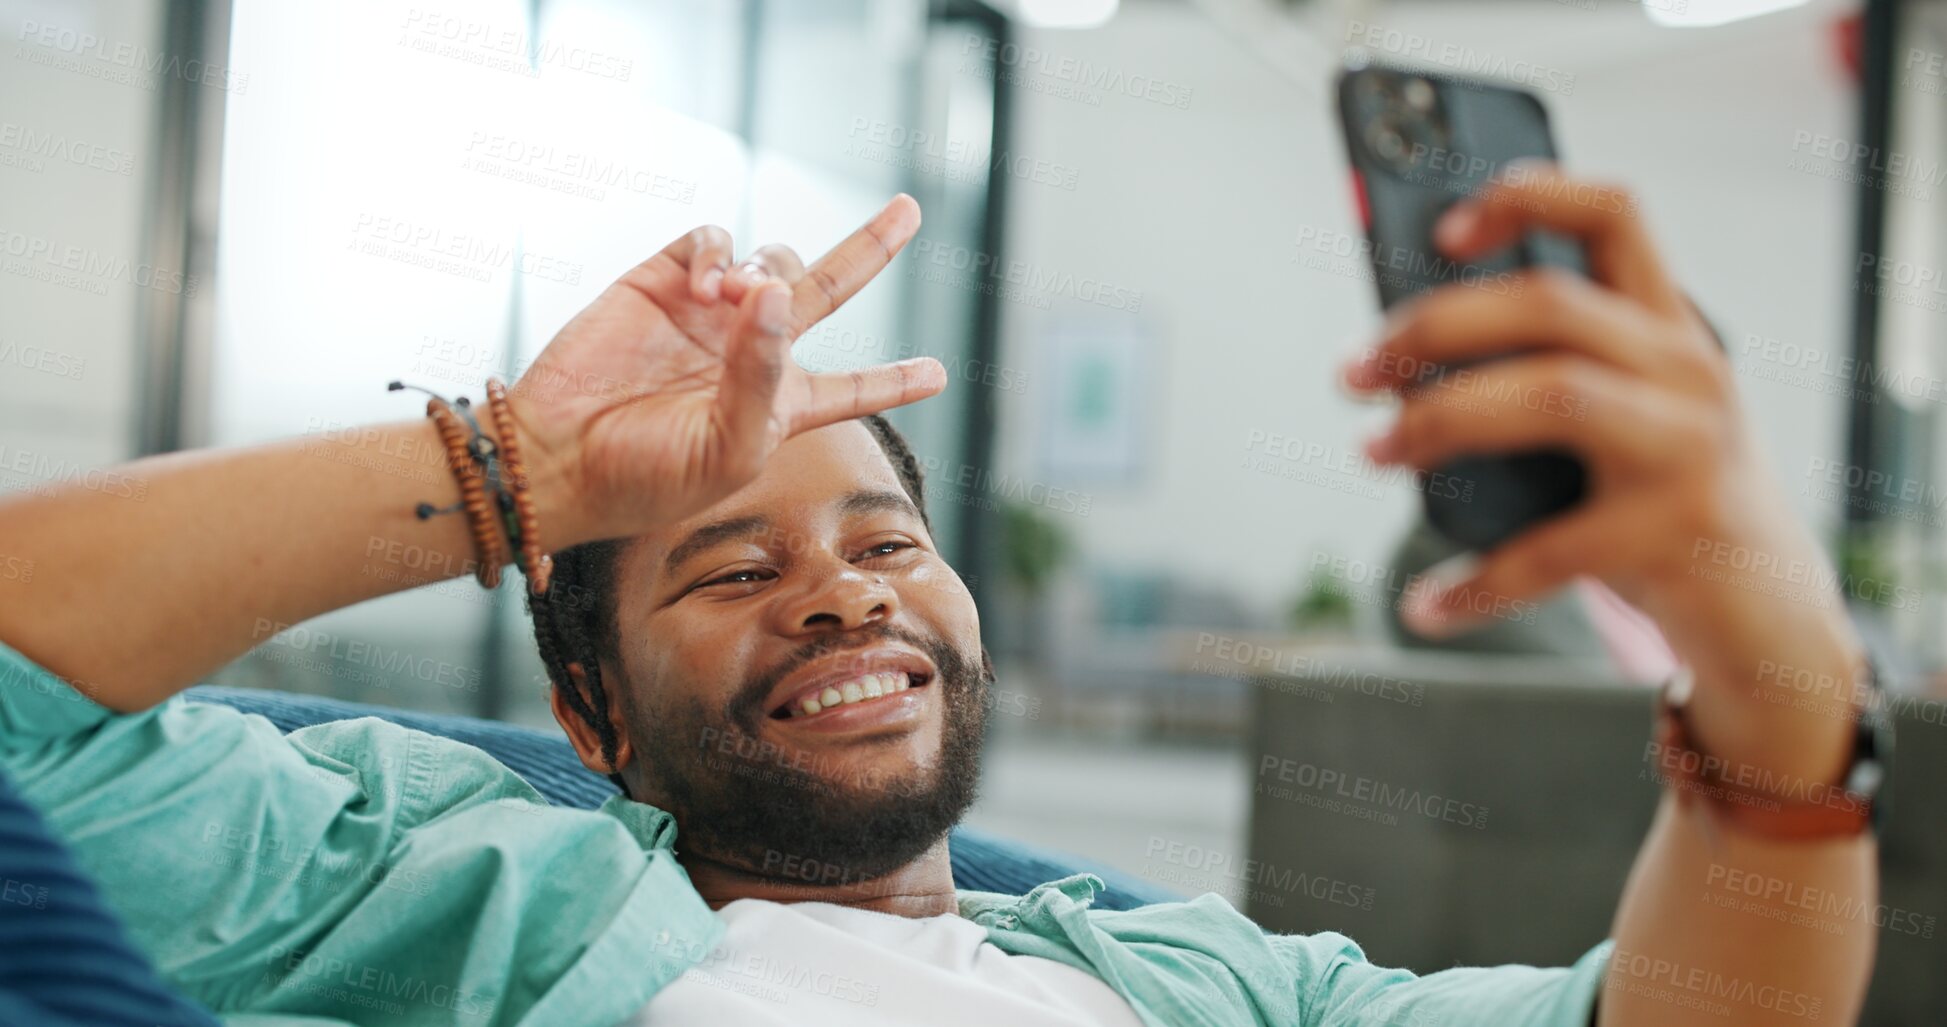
{"type": "Point", "coordinates": [981, 862]}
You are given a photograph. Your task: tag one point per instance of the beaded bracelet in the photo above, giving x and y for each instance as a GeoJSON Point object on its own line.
{"type": "Point", "coordinates": [516, 506]}
{"type": "Point", "coordinates": [481, 466]}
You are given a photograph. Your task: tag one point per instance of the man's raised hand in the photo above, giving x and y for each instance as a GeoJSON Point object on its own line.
{"type": "Point", "coordinates": [672, 388]}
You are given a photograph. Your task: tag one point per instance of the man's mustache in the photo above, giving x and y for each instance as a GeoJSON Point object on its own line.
{"type": "Point", "coordinates": [746, 708]}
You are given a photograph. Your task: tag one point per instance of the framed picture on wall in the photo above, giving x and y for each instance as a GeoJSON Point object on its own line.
{"type": "Point", "coordinates": [1096, 397]}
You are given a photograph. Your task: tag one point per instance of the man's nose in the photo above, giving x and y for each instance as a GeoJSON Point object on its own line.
{"type": "Point", "coordinates": [841, 598]}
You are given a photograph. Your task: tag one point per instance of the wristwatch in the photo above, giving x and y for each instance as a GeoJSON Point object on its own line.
{"type": "Point", "coordinates": [1755, 801]}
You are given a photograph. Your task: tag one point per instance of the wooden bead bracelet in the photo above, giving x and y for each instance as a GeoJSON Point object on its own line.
{"type": "Point", "coordinates": [517, 508]}
{"type": "Point", "coordinates": [482, 467]}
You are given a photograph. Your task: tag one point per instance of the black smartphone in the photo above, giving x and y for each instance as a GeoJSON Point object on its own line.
{"type": "Point", "coordinates": [1419, 142]}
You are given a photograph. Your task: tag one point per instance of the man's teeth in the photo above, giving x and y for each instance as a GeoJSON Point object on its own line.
{"type": "Point", "coordinates": [859, 689]}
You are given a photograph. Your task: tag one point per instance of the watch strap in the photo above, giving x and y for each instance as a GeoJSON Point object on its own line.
{"type": "Point", "coordinates": [1811, 811]}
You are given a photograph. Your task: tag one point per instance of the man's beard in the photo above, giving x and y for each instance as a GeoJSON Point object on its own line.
{"type": "Point", "coordinates": [769, 810]}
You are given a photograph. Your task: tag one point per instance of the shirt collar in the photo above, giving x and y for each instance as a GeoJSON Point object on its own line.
{"type": "Point", "coordinates": [652, 828]}
{"type": "Point", "coordinates": [655, 829]}
{"type": "Point", "coordinates": [988, 909]}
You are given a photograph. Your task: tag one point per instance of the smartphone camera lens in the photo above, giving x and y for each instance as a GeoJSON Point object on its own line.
{"type": "Point", "coordinates": [1419, 94]}
{"type": "Point", "coordinates": [1386, 142]}
{"type": "Point", "coordinates": [1404, 122]}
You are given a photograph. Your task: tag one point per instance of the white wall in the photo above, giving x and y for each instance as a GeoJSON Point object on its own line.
{"type": "Point", "coordinates": [1201, 209]}
{"type": "Point", "coordinates": [76, 152]}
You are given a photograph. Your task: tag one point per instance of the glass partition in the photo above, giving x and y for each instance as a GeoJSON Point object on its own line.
{"type": "Point", "coordinates": [428, 194]}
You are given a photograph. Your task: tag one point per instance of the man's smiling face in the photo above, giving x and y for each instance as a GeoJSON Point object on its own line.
{"type": "Point", "coordinates": [801, 673]}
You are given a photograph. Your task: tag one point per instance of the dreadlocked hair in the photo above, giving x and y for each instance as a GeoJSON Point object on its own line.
{"type": "Point", "coordinates": [574, 623]}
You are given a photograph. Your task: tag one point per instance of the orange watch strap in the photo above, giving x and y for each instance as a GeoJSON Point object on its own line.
{"type": "Point", "coordinates": [1827, 811]}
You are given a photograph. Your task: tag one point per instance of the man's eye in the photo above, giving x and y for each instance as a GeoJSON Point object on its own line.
{"type": "Point", "coordinates": [888, 547]}
{"type": "Point", "coordinates": [743, 577]}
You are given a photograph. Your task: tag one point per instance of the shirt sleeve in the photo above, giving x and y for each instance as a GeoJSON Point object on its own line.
{"type": "Point", "coordinates": [354, 871]}
{"type": "Point", "coordinates": [1341, 989]}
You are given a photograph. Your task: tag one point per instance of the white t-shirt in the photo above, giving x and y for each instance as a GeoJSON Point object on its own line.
{"type": "Point", "coordinates": [814, 964]}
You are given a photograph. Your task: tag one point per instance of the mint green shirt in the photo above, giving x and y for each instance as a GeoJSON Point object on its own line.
{"type": "Point", "coordinates": [363, 873]}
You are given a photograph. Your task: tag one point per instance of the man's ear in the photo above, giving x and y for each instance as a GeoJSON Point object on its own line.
{"type": "Point", "coordinates": [582, 734]}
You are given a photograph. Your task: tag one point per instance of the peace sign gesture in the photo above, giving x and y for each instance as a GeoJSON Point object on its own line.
{"type": "Point", "coordinates": [672, 388]}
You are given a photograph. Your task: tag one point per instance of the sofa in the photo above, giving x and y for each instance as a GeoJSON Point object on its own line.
{"type": "Point", "coordinates": [1545, 760]}
{"type": "Point", "coordinates": [981, 861]}
{"type": "Point", "coordinates": [66, 960]}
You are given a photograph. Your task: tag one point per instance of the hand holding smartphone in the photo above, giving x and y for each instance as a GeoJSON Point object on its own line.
{"type": "Point", "coordinates": [1418, 143]}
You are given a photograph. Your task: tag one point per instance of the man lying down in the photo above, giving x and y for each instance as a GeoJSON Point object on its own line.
{"type": "Point", "coordinates": [748, 625]}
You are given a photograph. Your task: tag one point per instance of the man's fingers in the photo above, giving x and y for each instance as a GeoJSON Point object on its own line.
{"type": "Point", "coordinates": [837, 276]}
{"type": "Point", "coordinates": [754, 363]}
{"type": "Point", "coordinates": [701, 260]}
{"type": "Point", "coordinates": [1541, 309]}
{"type": "Point", "coordinates": [691, 268]}
{"type": "Point", "coordinates": [1603, 218]}
{"type": "Point", "coordinates": [1530, 403]}
{"type": "Point", "coordinates": [842, 395]}
{"type": "Point", "coordinates": [708, 259]}
{"type": "Point", "coordinates": [768, 262]}
{"type": "Point", "coordinates": [1512, 580]}
{"type": "Point", "coordinates": [778, 261]}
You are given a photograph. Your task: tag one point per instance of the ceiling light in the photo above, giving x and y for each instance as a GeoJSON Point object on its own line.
{"type": "Point", "coordinates": [1705, 13]}
{"type": "Point", "coordinates": [1067, 14]}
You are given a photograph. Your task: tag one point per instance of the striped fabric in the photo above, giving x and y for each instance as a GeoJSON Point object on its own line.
{"type": "Point", "coordinates": [64, 959]}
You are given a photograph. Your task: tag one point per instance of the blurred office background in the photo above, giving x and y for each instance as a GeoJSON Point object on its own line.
{"type": "Point", "coordinates": [227, 222]}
